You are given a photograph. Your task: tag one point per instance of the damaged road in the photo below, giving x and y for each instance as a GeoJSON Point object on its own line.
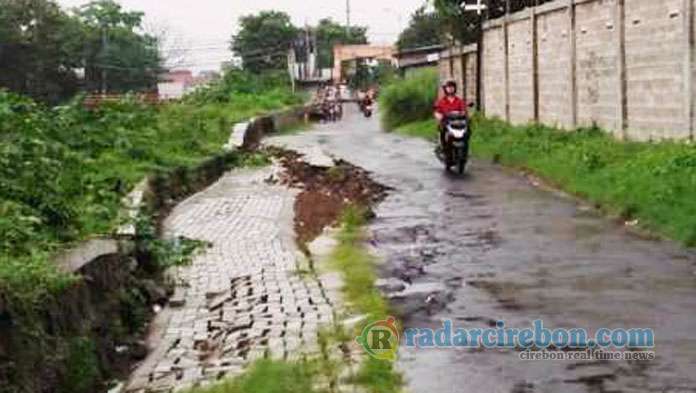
{"type": "Point", "coordinates": [246, 296]}
{"type": "Point", "coordinates": [491, 246]}
{"type": "Point", "coordinates": [325, 192]}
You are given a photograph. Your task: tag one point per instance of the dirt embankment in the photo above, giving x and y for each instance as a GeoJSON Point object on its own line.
{"type": "Point", "coordinates": [326, 192]}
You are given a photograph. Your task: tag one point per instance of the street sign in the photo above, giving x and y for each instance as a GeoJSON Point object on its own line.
{"type": "Point", "coordinates": [433, 57]}
{"type": "Point", "coordinates": [478, 7]}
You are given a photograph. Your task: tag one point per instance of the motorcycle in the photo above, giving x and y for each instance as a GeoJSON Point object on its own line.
{"type": "Point", "coordinates": [339, 110]}
{"type": "Point", "coordinates": [367, 108]}
{"type": "Point", "coordinates": [332, 111]}
{"type": "Point", "coordinates": [455, 141]}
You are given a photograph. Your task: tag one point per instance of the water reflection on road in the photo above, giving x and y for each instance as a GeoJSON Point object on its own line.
{"type": "Point", "coordinates": [489, 246]}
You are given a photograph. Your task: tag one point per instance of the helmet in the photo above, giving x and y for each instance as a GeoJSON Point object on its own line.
{"type": "Point", "coordinates": [449, 82]}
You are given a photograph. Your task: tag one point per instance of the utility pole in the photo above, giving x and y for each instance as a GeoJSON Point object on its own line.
{"type": "Point", "coordinates": [479, 63]}
{"type": "Point", "coordinates": [291, 66]}
{"type": "Point", "coordinates": [348, 17]}
{"type": "Point", "coordinates": [481, 8]}
{"type": "Point", "coordinates": [535, 61]}
{"type": "Point", "coordinates": [506, 55]}
{"type": "Point", "coordinates": [105, 51]}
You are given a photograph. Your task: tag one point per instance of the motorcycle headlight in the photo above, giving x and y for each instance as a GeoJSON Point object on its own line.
{"type": "Point", "coordinates": [457, 133]}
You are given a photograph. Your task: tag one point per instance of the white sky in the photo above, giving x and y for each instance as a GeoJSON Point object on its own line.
{"type": "Point", "coordinates": [200, 30]}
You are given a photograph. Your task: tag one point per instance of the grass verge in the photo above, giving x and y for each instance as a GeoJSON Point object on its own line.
{"type": "Point", "coordinates": [654, 183]}
{"type": "Point", "coordinates": [65, 170]}
{"type": "Point", "coordinates": [426, 129]}
{"type": "Point", "coordinates": [268, 376]}
{"type": "Point", "coordinates": [359, 271]}
{"type": "Point", "coordinates": [358, 267]}
{"type": "Point", "coordinates": [63, 174]}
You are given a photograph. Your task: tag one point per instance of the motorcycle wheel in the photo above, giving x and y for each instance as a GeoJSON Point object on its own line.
{"type": "Point", "coordinates": [461, 165]}
{"type": "Point", "coordinates": [463, 159]}
{"type": "Point", "coordinates": [450, 159]}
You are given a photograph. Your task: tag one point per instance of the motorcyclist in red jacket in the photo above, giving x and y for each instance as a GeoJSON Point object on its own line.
{"type": "Point", "coordinates": [449, 102]}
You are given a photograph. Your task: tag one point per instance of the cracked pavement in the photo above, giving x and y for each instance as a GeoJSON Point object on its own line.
{"type": "Point", "coordinates": [242, 298]}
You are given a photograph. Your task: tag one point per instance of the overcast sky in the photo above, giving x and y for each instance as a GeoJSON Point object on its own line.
{"type": "Point", "coordinates": [200, 30]}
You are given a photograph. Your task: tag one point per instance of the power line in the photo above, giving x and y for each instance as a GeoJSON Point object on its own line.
{"type": "Point", "coordinates": [196, 49]}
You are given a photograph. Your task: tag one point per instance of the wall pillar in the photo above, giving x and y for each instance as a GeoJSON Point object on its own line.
{"type": "Point", "coordinates": [688, 51]}
{"type": "Point", "coordinates": [573, 70]}
{"type": "Point", "coordinates": [621, 85]}
{"type": "Point", "coordinates": [535, 65]}
{"type": "Point", "coordinates": [506, 61]}
{"type": "Point", "coordinates": [464, 87]}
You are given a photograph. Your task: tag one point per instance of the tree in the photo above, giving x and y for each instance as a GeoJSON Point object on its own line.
{"type": "Point", "coordinates": [264, 40]}
{"type": "Point", "coordinates": [496, 8]}
{"type": "Point", "coordinates": [459, 26]}
{"type": "Point", "coordinates": [118, 58]}
{"type": "Point", "coordinates": [424, 29]}
{"type": "Point", "coordinates": [330, 33]}
{"type": "Point", "coordinates": [39, 46]}
{"type": "Point", "coordinates": [42, 47]}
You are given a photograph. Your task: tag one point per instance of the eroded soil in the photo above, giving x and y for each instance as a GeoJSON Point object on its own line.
{"type": "Point", "coordinates": [325, 192]}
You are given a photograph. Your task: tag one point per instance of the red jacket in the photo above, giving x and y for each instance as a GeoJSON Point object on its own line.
{"type": "Point", "coordinates": [445, 105]}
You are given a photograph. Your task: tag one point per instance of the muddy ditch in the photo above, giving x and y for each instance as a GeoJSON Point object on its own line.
{"type": "Point", "coordinates": [79, 338]}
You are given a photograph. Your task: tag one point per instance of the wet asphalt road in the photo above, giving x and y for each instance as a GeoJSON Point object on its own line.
{"type": "Point", "coordinates": [491, 246]}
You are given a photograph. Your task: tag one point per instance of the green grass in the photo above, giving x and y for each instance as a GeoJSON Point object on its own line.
{"type": "Point", "coordinates": [379, 376]}
{"type": "Point", "coordinates": [64, 171]}
{"type": "Point", "coordinates": [359, 270]}
{"type": "Point", "coordinates": [426, 129]}
{"type": "Point", "coordinates": [268, 376]}
{"type": "Point", "coordinates": [654, 183]}
{"type": "Point", "coordinates": [358, 267]}
{"type": "Point", "coordinates": [63, 174]}
{"type": "Point", "coordinates": [83, 369]}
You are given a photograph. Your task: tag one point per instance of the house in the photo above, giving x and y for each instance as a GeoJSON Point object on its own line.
{"type": "Point", "coordinates": [343, 53]}
{"type": "Point", "coordinates": [175, 83]}
{"type": "Point", "coordinates": [408, 60]}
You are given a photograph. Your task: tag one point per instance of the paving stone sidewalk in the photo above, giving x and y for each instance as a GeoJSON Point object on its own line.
{"type": "Point", "coordinates": [243, 298]}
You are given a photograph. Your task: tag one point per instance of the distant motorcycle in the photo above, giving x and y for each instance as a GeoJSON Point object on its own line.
{"type": "Point", "coordinates": [332, 111]}
{"type": "Point", "coordinates": [455, 126]}
{"type": "Point", "coordinates": [367, 107]}
{"type": "Point", "coordinates": [368, 110]}
{"type": "Point", "coordinates": [339, 110]}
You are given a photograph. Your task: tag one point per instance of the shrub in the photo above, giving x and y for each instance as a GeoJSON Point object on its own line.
{"type": "Point", "coordinates": [65, 170]}
{"type": "Point", "coordinates": [410, 99]}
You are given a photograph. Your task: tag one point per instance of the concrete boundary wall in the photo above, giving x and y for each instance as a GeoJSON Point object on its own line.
{"type": "Point", "coordinates": [626, 66]}
{"type": "Point", "coordinates": [459, 63]}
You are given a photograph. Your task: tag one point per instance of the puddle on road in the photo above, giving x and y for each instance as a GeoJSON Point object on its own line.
{"type": "Point", "coordinates": [507, 295]}
{"type": "Point", "coordinates": [493, 247]}
{"type": "Point", "coordinates": [461, 194]}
